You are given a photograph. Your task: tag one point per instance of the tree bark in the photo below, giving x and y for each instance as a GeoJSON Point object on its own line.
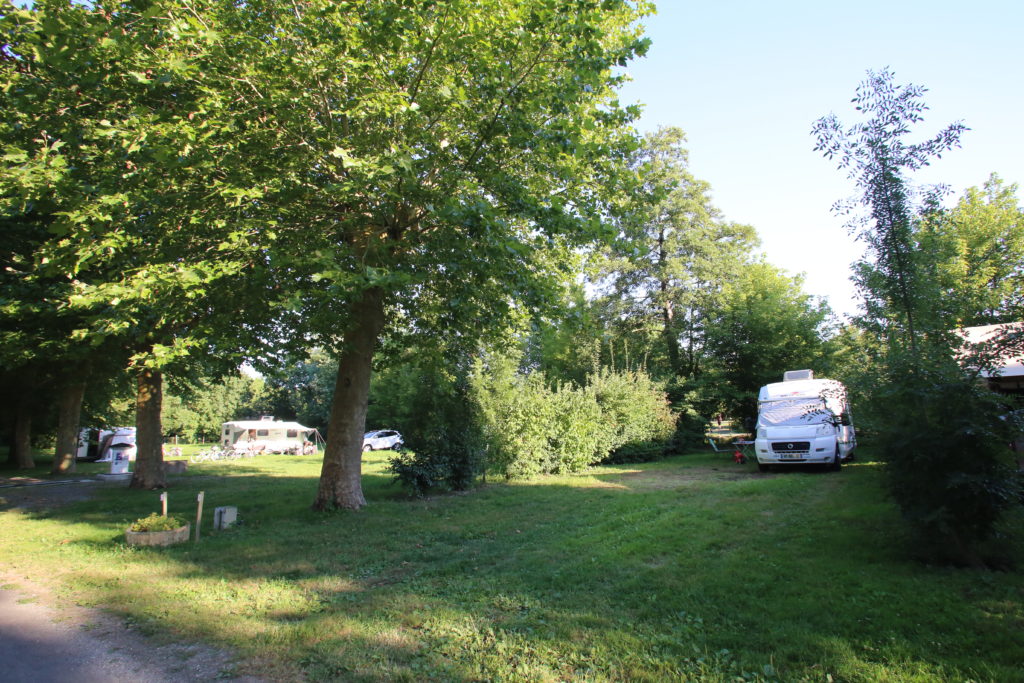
{"type": "Point", "coordinates": [341, 483]}
{"type": "Point", "coordinates": [671, 335]}
{"type": "Point", "coordinates": [149, 458]}
{"type": "Point", "coordinates": [69, 412]}
{"type": "Point", "coordinates": [21, 444]}
{"type": "Point", "coordinates": [667, 307]}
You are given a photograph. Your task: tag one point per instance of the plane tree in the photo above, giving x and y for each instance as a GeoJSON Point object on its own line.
{"type": "Point", "coordinates": [141, 241]}
{"type": "Point", "coordinates": [380, 168]}
{"type": "Point", "coordinates": [426, 166]}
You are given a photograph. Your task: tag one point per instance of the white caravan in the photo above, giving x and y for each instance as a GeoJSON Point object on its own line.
{"type": "Point", "coordinates": [803, 420]}
{"type": "Point", "coordinates": [267, 435]}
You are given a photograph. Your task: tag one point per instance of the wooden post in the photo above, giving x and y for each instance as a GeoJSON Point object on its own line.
{"type": "Point", "coordinates": [163, 502]}
{"type": "Point", "coordinates": [199, 513]}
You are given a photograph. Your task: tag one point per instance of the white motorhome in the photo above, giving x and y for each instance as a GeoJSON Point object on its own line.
{"type": "Point", "coordinates": [803, 420]}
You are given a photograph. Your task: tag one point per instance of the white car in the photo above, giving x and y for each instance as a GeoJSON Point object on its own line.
{"type": "Point", "coordinates": [382, 439]}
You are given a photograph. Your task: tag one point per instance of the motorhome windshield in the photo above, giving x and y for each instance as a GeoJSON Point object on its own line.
{"type": "Point", "coordinates": [793, 412]}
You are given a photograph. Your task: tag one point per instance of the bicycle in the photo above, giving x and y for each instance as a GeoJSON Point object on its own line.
{"type": "Point", "coordinates": [214, 453]}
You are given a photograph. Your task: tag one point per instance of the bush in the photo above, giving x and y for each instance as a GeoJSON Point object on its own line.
{"type": "Point", "coordinates": [156, 522]}
{"type": "Point", "coordinates": [514, 415]}
{"type": "Point", "coordinates": [530, 428]}
{"type": "Point", "coordinates": [579, 432]}
{"type": "Point", "coordinates": [637, 411]}
{"type": "Point", "coordinates": [438, 465]}
{"type": "Point", "coordinates": [446, 452]}
{"type": "Point", "coordinates": [945, 441]}
{"type": "Point", "coordinates": [693, 401]}
{"type": "Point", "coordinates": [643, 451]}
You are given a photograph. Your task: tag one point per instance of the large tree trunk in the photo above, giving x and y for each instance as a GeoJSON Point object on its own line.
{"type": "Point", "coordinates": [21, 443]}
{"type": "Point", "coordinates": [341, 483]}
{"type": "Point", "coordinates": [69, 410]}
{"type": "Point", "coordinates": [149, 458]}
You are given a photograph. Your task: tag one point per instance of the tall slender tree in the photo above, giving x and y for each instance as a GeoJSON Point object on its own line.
{"type": "Point", "coordinates": [942, 436]}
{"type": "Point", "coordinates": [878, 159]}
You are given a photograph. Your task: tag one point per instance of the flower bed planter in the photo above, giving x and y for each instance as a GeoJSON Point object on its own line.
{"type": "Point", "coordinates": [179, 535]}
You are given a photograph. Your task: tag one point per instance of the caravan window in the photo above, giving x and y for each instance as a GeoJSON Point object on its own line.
{"type": "Point", "coordinates": [262, 432]}
{"type": "Point", "coordinates": [793, 412]}
{"type": "Point", "coordinates": [292, 433]}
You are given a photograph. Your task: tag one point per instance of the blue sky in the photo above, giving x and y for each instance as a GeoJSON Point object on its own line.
{"type": "Point", "coordinates": [747, 79]}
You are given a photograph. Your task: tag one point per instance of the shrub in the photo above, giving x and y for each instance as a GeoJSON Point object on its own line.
{"type": "Point", "coordinates": [579, 432]}
{"type": "Point", "coordinates": [155, 522]}
{"type": "Point", "coordinates": [449, 462]}
{"type": "Point", "coordinates": [530, 428]}
{"type": "Point", "coordinates": [637, 411]}
{"type": "Point", "coordinates": [945, 442]}
{"type": "Point", "coordinates": [511, 411]}
{"type": "Point", "coordinates": [446, 452]}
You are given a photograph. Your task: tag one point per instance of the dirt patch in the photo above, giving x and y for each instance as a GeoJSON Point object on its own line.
{"type": "Point", "coordinates": [42, 638]}
{"type": "Point", "coordinates": [45, 641]}
{"type": "Point", "coordinates": [657, 480]}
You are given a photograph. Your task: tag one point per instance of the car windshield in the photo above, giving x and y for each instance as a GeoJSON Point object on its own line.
{"type": "Point", "coordinates": [793, 412]}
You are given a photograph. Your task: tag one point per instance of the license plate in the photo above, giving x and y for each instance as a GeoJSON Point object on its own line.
{"type": "Point", "coordinates": [791, 456]}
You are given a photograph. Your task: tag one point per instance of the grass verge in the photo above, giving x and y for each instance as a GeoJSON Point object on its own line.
{"type": "Point", "coordinates": [692, 568]}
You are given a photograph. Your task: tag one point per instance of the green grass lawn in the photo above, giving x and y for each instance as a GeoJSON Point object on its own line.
{"type": "Point", "coordinates": [689, 569]}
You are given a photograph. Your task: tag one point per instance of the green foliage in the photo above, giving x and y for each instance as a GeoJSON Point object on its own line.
{"type": "Point", "coordinates": [198, 190]}
{"type": "Point", "coordinates": [155, 522]}
{"type": "Point", "coordinates": [300, 389]}
{"type": "Point", "coordinates": [566, 344]}
{"type": "Point", "coordinates": [443, 460]}
{"type": "Point", "coordinates": [532, 428]}
{"type": "Point", "coordinates": [636, 410]}
{"type": "Point", "coordinates": [766, 325]}
{"type": "Point", "coordinates": [578, 429]}
{"type": "Point", "coordinates": [196, 410]}
{"type": "Point", "coordinates": [975, 255]}
{"type": "Point", "coordinates": [124, 189]}
{"type": "Point", "coordinates": [662, 279]}
{"type": "Point", "coordinates": [429, 404]}
{"type": "Point", "coordinates": [944, 439]}
{"type": "Point", "coordinates": [514, 414]}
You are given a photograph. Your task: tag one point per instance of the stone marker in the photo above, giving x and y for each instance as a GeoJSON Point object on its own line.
{"type": "Point", "coordinates": [224, 517]}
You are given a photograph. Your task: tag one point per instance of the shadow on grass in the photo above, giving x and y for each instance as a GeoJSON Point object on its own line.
{"type": "Point", "coordinates": [692, 567]}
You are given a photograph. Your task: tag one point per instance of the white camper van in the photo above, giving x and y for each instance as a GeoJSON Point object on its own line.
{"type": "Point", "coordinates": [803, 420]}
